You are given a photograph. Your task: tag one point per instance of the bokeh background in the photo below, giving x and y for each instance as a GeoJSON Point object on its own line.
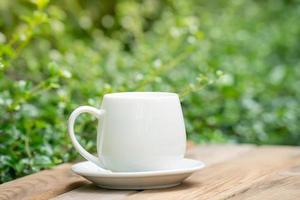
{"type": "Point", "coordinates": [235, 64]}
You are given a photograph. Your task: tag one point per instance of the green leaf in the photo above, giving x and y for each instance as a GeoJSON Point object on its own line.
{"type": "Point", "coordinates": [40, 3]}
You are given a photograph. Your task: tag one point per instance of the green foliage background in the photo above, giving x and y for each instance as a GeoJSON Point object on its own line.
{"type": "Point", "coordinates": [55, 56]}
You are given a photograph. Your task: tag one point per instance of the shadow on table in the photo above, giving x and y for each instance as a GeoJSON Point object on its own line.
{"type": "Point", "coordinates": [91, 191]}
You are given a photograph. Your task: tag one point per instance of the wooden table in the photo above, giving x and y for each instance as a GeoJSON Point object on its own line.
{"type": "Point", "coordinates": [232, 172]}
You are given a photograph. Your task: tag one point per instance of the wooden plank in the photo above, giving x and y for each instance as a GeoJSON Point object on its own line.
{"type": "Point", "coordinates": [210, 154]}
{"type": "Point", "coordinates": [232, 177]}
{"type": "Point", "coordinates": [91, 192]}
{"type": "Point", "coordinates": [282, 185]}
{"type": "Point", "coordinates": [42, 185]}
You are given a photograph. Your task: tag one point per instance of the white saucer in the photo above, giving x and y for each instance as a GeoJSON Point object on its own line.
{"type": "Point", "coordinates": [138, 180]}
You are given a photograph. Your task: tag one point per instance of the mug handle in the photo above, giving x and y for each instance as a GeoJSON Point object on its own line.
{"type": "Point", "coordinates": [98, 113]}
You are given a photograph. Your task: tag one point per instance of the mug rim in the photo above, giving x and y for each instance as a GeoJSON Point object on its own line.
{"type": "Point", "coordinates": [141, 95]}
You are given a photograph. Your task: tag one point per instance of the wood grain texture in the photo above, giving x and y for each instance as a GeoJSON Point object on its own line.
{"type": "Point", "coordinates": [210, 154]}
{"type": "Point", "coordinates": [284, 184]}
{"type": "Point", "coordinates": [42, 185]}
{"type": "Point", "coordinates": [92, 192]}
{"type": "Point", "coordinates": [232, 178]}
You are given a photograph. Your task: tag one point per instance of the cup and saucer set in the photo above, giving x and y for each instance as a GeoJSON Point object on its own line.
{"type": "Point", "coordinates": [141, 142]}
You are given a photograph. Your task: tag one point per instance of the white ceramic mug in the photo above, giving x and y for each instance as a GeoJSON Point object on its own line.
{"type": "Point", "coordinates": [137, 131]}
